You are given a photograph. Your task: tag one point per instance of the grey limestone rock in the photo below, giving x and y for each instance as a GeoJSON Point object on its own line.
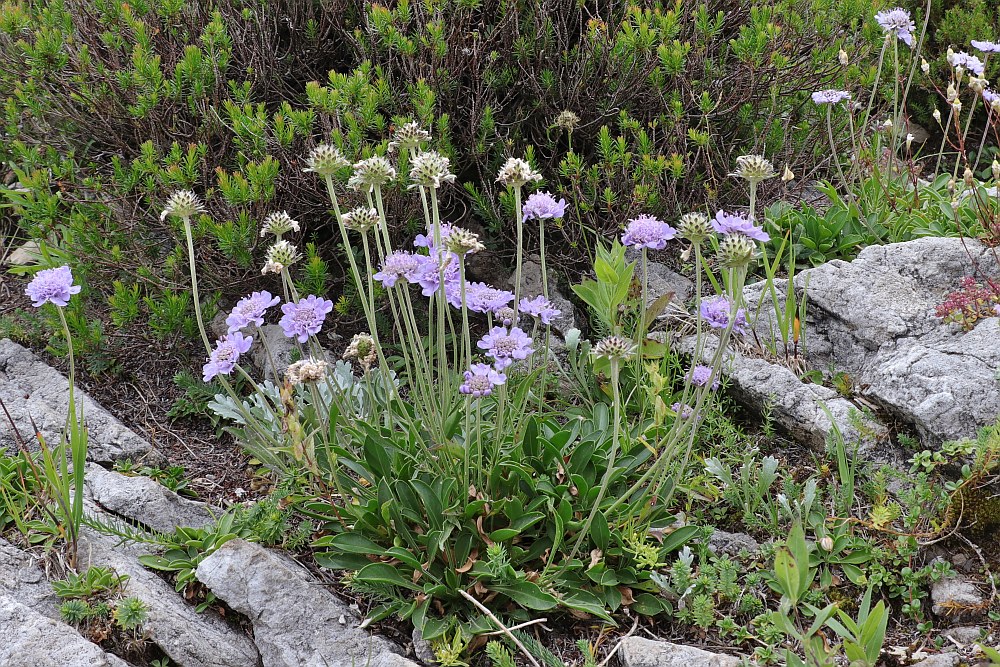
{"type": "Point", "coordinates": [144, 500]}
{"type": "Point", "coordinates": [31, 639]}
{"type": "Point", "coordinates": [35, 392]}
{"type": "Point", "coordinates": [189, 639]}
{"type": "Point", "coordinates": [641, 652]}
{"type": "Point", "coordinates": [296, 622]}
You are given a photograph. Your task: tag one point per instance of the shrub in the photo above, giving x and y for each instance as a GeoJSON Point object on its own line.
{"type": "Point", "coordinates": [638, 107]}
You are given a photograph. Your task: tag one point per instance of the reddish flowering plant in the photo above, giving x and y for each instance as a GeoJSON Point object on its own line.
{"type": "Point", "coordinates": [970, 302]}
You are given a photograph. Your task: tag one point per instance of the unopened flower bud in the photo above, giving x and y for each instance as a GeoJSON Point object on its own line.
{"type": "Point", "coordinates": [950, 56]}
{"type": "Point", "coordinates": [826, 543]}
{"type": "Point", "coordinates": [280, 256]}
{"type": "Point", "coordinates": [977, 84]}
{"type": "Point", "coordinates": [736, 250]}
{"type": "Point", "coordinates": [925, 66]}
{"type": "Point", "coordinates": [909, 141]}
{"type": "Point", "coordinates": [279, 224]}
{"type": "Point", "coordinates": [306, 371]}
{"type": "Point", "coordinates": [886, 125]}
{"type": "Point", "coordinates": [182, 204]}
{"type": "Point", "coordinates": [952, 93]}
{"type": "Point", "coordinates": [937, 116]}
{"type": "Point", "coordinates": [363, 350]}
{"type": "Point", "coordinates": [517, 172]}
{"type": "Point", "coordinates": [788, 175]}
{"type": "Point", "coordinates": [996, 170]}
{"type": "Point", "coordinates": [361, 219]}
{"type": "Point", "coordinates": [968, 177]}
{"type": "Point", "coordinates": [694, 227]}
{"type": "Point", "coordinates": [325, 160]}
{"type": "Point", "coordinates": [463, 242]}
{"type": "Point", "coordinates": [614, 347]}
{"type": "Point", "coordinates": [408, 136]}
{"type": "Point", "coordinates": [957, 106]}
{"type": "Point", "coordinates": [842, 57]}
{"type": "Point", "coordinates": [951, 185]}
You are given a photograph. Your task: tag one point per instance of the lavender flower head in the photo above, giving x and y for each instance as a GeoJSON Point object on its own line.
{"type": "Point", "coordinates": [543, 206]}
{"type": "Point", "coordinates": [504, 347]}
{"type": "Point", "coordinates": [648, 232]}
{"type": "Point", "coordinates": [539, 307]}
{"type": "Point", "coordinates": [53, 286]}
{"type": "Point", "coordinates": [700, 375]}
{"type": "Point", "coordinates": [227, 352]}
{"type": "Point", "coordinates": [986, 47]}
{"type": "Point", "coordinates": [429, 277]}
{"type": "Point", "coordinates": [427, 240]}
{"type": "Point", "coordinates": [715, 311]}
{"type": "Point", "coordinates": [991, 98]}
{"type": "Point", "coordinates": [305, 318]}
{"type": "Point", "coordinates": [967, 63]}
{"type": "Point", "coordinates": [480, 380]}
{"type": "Point", "coordinates": [401, 265]}
{"type": "Point", "coordinates": [250, 310]}
{"type": "Point", "coordinates": [897, 22]}
{"type": "Point", "coordinates": [482, 298]}
{"type": "Point", "coordinates": [734, 223]}
{"type": "Point", "coordinates": [683, 410]}
{"type": "Point", "coordinates": [830, 96]}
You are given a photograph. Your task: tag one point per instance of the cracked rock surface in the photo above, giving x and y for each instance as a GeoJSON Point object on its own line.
{"type": "Point", "coordinates": [34, 392]}
{"type": "Point", "coordinates": [873, 318]}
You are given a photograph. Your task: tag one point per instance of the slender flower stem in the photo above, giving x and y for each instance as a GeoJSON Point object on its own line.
{"type": "Point", "coordinates": [519, 220]}
{"type": "Point", "coordinates": [194, 284]}
{"type": "Point", "coordinates": [833, 146]}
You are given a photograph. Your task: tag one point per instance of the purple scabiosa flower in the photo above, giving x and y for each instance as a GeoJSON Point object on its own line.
{"type": "Point", "coordinates": [734, 223]}
{"type": "Point", "coordinates": [250, 310]}
{"type": "Point", "coordinates": [986, 47]}
{"type": "Point", "coordinates": [967, 63]}
{"type": "Point", "coordinates": [683, 410]}
{"type": "Point", "coordinates": [480, 380]}
{"type": "Point", "coordinates": [830, 96]}
{"type": "Point", "coordinates": [991, 98]}
{"type": "Point", "coordinates": [53, 286]}
{"type": "Point", "coordinates": [227, 352]}
{"type": "Point", "coordinates": [427, 240]}
{"type": "Point", "coordinates": [539, 307]}
{"type": "Point", "coordinates": [897, 22]}
{"type": "Point", "coordinates": [505, 316]}
{"type": "Point", "coordinates": [506, 346]}
{"type": "Point", "coordinates": [543, 206]}
{"type": "Point", "coordinates": [700, 375]}
{"type": "Point", "coordinates": [401, 265]}
{"type": "Point", "coordinates": [305, 318]}
{"type": "Point", "coordinates": [429, 277]}
{"type": "Point", "coordinates": [481, 298]}
{"type": "Point", "coordinates": [648, 232]}
{"type": "Point", "coordinates": [715, 311]}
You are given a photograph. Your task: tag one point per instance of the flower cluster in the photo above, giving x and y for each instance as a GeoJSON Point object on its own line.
{"type": "Point", "coordinates": [700, 376]}
{"type": "Point", "coordinates": [970, 303]}
{"type": "Point", "coordinates": [830, 96]}
{"type": "Point", "coordinates": [305, 318]}
{"type": "Point", "coordinates": [897, 22]}
{"type": "Point", "coordinates": [648, 232]}
{"type": "Point", "coordinates": [715, 311]}
{"type": "Point", "coordinates": [306, 371]}
{"type": "Point", "coordinates": [734, 223]}
{"type": "Point", "coordinates": [480, 380]}
{"type": "Point", "coordinates": [543, 206]}
{"type": "Point", "coordinates": [53, 286]}
{"type": "Point", "coordinates": [226, 354]}
{"type": "Point", "coordinates": [250, 310]}
{"type": "Point", "coordinates": [964, 62]}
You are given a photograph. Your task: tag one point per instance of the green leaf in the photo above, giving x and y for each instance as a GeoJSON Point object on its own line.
{"type": "Point", "coordinates": [527, 594]}
{"type": "Point", "coordinates": [383, 573]}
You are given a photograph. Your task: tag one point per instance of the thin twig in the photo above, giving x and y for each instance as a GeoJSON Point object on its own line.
{"type": "Point", "coordinates": [503, 628]}
{"type": "Point", "coordinates": [619, 644]}
{"type": "Point", "coordinates": [515, 627]}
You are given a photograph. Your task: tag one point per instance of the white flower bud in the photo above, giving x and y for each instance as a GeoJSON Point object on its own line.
{"type": "Point", "coordinates": [952, 93]}
{"type": "Point", "coordinates": [996, 170]}
{"type": "Point", "coordinates": [842, 56]}
{"type": "Point", "coordinates": [788, 175]}
{"type": "Point", "coordinates": [937, 116]}
{"type": "Point", "coordinates": [968, 177]}
{"type": "Point", "coordinates": [925, 66]}
{"type": "Point", "coordinates": [909, 140]}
